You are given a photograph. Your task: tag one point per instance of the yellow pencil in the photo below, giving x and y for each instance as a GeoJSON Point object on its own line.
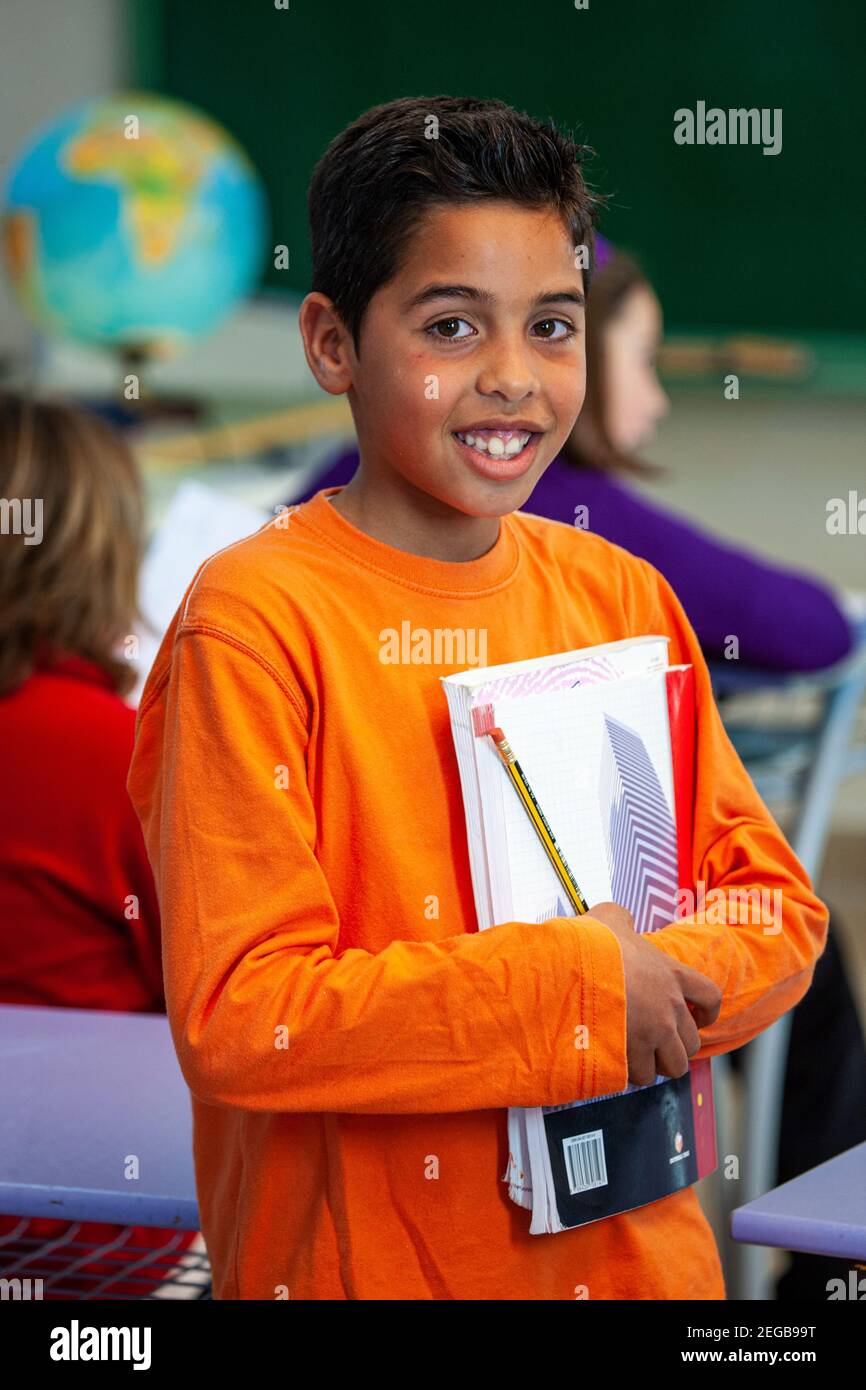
{"type": "Point", "coordinates": [536, 815]}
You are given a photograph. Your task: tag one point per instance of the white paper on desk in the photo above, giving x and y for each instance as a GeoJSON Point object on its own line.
{"type": "Point", "coordinates": [198, 523]}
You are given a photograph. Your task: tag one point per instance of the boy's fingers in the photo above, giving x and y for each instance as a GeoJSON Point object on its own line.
{"type": "Point", "coordinates": [672, 1059]}
{"type": "Point", "coordinates": [688, 1031]}
{"type": "Point", "coordinates": [702, 995]}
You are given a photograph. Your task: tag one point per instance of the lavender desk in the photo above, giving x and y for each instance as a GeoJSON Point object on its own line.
{"type": "Point", "coordinates": [81, 1091]}
{"type": "Point", "coordinates": [822, 1212]}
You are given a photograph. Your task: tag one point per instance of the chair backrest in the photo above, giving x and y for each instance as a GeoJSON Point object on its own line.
{"type": "Point", "coordinates": [808, 747]}
{"type": "Point", "coordinates": [799, 761]}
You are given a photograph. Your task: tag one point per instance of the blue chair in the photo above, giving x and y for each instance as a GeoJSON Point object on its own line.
{"type": "Point", "coordinates": [799, 764]}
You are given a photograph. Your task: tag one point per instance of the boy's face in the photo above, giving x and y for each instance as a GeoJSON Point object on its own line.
{"type": "Point", "coordinates": [502, 347]}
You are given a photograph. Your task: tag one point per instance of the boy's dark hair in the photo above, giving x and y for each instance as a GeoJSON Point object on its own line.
{"type": "Point", "coordinates": [378, 178]}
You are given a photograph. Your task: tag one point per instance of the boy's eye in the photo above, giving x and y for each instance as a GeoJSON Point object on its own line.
{"type": "Point", "coordinates": [559, 337]}
{"type": "Point", "coordinates": [447, 323]}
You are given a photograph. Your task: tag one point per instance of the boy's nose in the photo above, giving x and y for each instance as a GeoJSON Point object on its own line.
{"type": "Point", "coordinates": [508, 372]}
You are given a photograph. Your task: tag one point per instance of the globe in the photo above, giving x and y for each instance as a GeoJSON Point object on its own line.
{"type": "Point", "coordinates": [132, 222]}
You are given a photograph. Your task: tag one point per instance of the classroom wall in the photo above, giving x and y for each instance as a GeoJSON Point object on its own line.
{"type": "Point", "coordinates": [51, 56]}
{"type": "Point", "coordinates": [735, 238]}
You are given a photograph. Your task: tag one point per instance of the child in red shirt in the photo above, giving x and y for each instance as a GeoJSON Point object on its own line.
{"type": "Point", "coordinates": [79, 914]}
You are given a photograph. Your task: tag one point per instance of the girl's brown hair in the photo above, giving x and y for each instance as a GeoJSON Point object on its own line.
{"type": "Point", "coordinates": [75, 591]}
{"type": "Point", "coordinates": [589, 445]}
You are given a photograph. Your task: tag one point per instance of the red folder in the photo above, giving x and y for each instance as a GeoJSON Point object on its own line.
{"type": "Point", "coordinates": [681, 713]}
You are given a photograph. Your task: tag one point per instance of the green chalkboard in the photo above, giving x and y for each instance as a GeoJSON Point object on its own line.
{"type": "Point", "coordinates": [733, 237]}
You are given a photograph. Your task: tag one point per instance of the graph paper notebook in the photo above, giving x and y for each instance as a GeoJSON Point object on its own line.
{"type": "Point", "coordinates": [605, 736]}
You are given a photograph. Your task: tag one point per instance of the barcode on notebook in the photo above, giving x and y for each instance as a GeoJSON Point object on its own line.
{"type": "Point", "coordinates": [584, 1161]}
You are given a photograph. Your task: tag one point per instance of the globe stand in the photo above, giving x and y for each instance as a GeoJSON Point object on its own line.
{"type": "Point", "coordinates": [144, 410]}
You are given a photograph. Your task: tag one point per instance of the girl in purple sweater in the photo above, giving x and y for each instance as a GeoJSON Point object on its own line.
{"type": "Point", "coordinates": [785, 620]}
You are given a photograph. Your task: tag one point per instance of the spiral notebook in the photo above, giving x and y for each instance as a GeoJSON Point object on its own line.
{"type": "Point", "coordinates": [605, 736]}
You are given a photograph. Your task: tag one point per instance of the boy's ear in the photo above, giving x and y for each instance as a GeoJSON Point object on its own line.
{"type": "Point", "coordinates": [327, 343]}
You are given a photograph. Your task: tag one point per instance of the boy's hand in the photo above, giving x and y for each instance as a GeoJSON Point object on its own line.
{"type": "Point", "coordinates": [666, 1002]}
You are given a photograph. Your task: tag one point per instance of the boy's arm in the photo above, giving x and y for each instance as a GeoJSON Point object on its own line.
{"type": "Point", "coordinates": [762, 960]}
{"type": "Point", "coordinates": [266, 1011]}
{"type": "Point", "coordinates": [143, 928]}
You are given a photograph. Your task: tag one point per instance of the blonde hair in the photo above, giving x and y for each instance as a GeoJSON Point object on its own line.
{"type": "Point", "coordinates": [75, 591]}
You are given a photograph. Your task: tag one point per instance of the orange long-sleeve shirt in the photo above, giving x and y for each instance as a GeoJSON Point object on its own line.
{"type": "Point", "coordinates": [350, 1040]}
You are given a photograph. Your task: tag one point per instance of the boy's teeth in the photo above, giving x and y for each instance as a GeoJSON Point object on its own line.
{"type": "Point", "coordinates": [499, 443]}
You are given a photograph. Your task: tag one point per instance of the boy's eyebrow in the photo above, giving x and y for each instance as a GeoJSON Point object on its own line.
{"type": "Point", "coordinates": [439, 291]}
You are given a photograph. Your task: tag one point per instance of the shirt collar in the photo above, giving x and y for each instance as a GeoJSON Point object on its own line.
{"type": "Point", "coordinates": [462, 578]}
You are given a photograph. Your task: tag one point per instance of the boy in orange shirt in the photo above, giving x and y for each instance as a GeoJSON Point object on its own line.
{"type": "Point", "coordinates": [350, 1040]}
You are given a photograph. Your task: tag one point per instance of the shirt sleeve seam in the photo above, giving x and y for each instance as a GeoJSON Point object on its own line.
{"type": "Point", "coordinates": [653, 575]}
{"type": "Point", "coordinates": [211, 630]}
{"type": "Point", "coordinates": [151, 698]}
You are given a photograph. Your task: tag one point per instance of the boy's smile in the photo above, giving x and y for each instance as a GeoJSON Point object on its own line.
{"type": "Point", "coordinates": [470, 376]}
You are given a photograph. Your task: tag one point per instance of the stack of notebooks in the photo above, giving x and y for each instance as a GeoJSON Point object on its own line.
{"type": "Point", "coordinates": [605, 739]}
